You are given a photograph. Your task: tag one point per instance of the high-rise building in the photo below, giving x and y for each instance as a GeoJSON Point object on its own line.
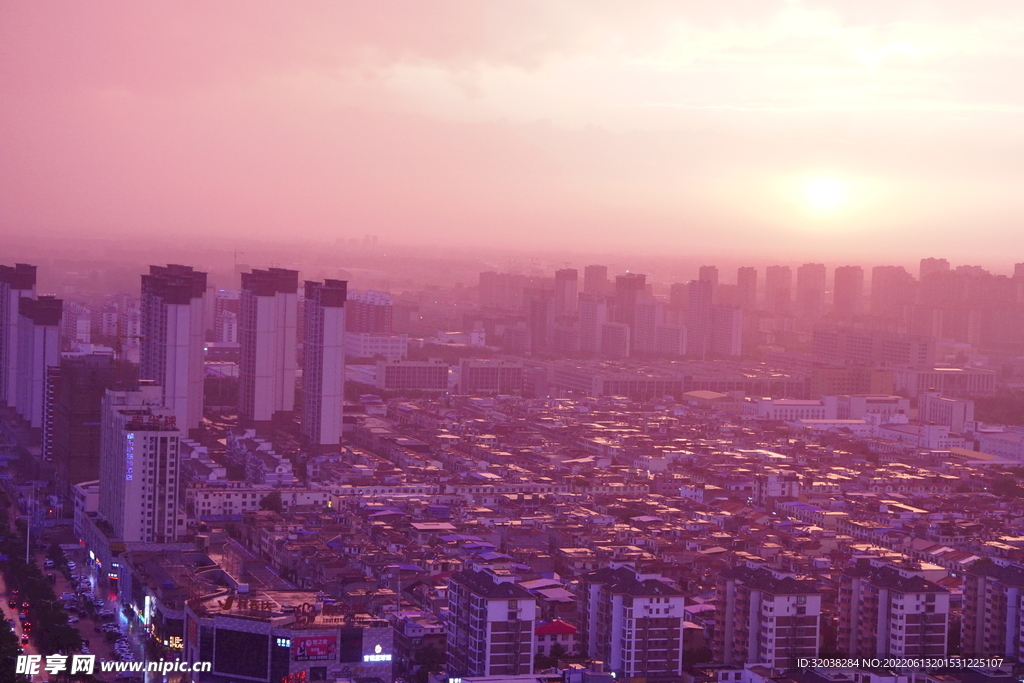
{"type": "Point", "coordinates": [778, 290]}
{"type": "Point", "coordinates": [502, 291]}
{"type": "Point", "coordinates": [595, 280]}
{"type": "Point", "coordinates": [173, 330]}
{"type": "Point", "coordinates": [370, 311]}
{"type": "Point", "coordinates": [932, 265]}
{"type": "Point", "coordinates": [73, 436]}
{"type": "Point", "coordinates": [671, 340]}
{"type": "Point", "coordinates": [565, 336]}
{"type": "Point", "coordinates": [226, 328]}
{"type": "Point", "coordinates": [698, 318]}
{"type": "Point", "coordinates": [323, 362]}
{"type": "Point", "coordinates": [226, 308]}
{"type": "Point", "coordinates": [992, 609]}
{"type": "Point", "coordinates": [891, 610]}
{"type": "Point", "coordinates": [566, 291]}
{"type": "Point", "coordinates": [490, 624]}
{"type": "Point", "coordinates": [16, 282]}
{"type": "Point", "coordinates": [765, 616]}
{"type": "Point", "coordinates": [810, 290]}
{"type": "Point", "coordinates": [679, 294]}
{"type": "Point", "coordinates": [593, 313]}
{"type": "Point", "coordinates": [267, 338]}
{"type": "Point", "coordinates": [726, 331]}
{"type": "Point", "coordinates": [76, 325]}
{"type": "Point", "coordinates": [648, 315]}
{"type": "Point", "coordinates": [540, 311]}
{"type": "Point", "coordinates": [746, 283]}
{"type": "Point", "coordinates": [628, 290]}
{"type": "Point", "coordinates": [141, 495]}
{"type": "Point", "coordinates": [615, 341]}
{"type": "Point", "coordinates": [108, 319]}
{"type": "Point", "coordinates": [709, 274]}
{"type": "Point", "coordinates": [632, 621]}
{"type": "Point", "coordinates": [848, 292]}
{"type": "Point", "coordinates": [129, 333]}
{"type": "Point", "coordinates": [38, 349]}
{"type": "Point", "coordinates": [893, 289]}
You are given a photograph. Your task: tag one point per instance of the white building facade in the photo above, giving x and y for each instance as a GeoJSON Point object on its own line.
{"type": "Point", "coordinates": [268, 365]}
{"type": "Point", "coordinates": [172, 334]}
{"type": "Point", "coordinates": [140, 484]}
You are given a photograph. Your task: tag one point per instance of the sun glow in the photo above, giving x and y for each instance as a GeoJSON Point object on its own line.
{"type": "Point", "coordinates": [825, 193]}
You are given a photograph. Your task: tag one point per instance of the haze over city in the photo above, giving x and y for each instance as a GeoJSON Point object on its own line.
{"type": "Point", "coordinates": [511, 342]}
{"type": "Point", "coordinates": [792, 130]}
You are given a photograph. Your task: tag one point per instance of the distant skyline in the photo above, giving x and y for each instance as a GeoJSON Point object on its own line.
{"type": "Point", "coordinates": [837, 132]}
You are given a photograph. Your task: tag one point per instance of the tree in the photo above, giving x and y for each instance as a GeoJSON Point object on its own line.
{"type": "Point", "coordinates": [55, 553]}
{"type": "Point", "coordinates": [272, 501]}
{"type": "Point", "coordinates": [1006, 487]}
{"type": "Point", "coordinates": [551, 659]}
{"type": "Point", "coordinates": [429, 659]}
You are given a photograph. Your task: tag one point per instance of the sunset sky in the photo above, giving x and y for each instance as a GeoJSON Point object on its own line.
{"type": "Point", "coordinates": [877, 130]}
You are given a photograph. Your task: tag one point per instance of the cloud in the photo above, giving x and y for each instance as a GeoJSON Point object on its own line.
{"type": "Point", "coordinates": [665, 124]}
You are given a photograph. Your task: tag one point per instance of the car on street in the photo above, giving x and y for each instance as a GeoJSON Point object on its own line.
{"type": "Point", "coordinates": [49, 564]}
{"type": "Point", "coordinates": [72, 619]}
{"type": "Point", "coordinates": [24, 640]}
{"type": "Point", "coordinates": [12, 603]}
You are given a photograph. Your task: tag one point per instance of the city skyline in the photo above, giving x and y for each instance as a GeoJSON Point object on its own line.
{"type": "Point", "coordinates": [538, 342]}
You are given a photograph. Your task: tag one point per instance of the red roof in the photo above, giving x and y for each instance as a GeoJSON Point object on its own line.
{"type": "Point", "coordinates": [556, 627]}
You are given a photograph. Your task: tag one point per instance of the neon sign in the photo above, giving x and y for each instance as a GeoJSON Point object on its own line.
{"type": "Point", "coordinates": [377, 656]}
{"type": "Point", "coordinates": [129, 454]}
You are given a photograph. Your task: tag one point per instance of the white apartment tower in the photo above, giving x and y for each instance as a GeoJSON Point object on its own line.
{"type": "Point", "coordinates": [16, 282]}
{"type": "Point", "coordinates": [566, 291]}
{"type": "Point", "coordinates": [323, 362]}
{"type": "Point", "coordinates": [699, 318]}
{"type": "Point", "coordinates": [268, 365]}
{"type": "Point", "coordinates": [490, 624]}
{"type": "Point", "coordinates": [633, 621]}
{"type": "Point", "coordinates": [173, 329]}
{"type": "Point", "coordinates": [141, 495]}
{"type": "Point", "coordinates": [765, 616]}
{"type": "Point", "coordinates": [892, 610]}
{"type": "Point", "coordinates": [726, 331]}
{"type": "Point", "coordinates": [593, 312]}
{"type": "Point", "coordinates": [38, 349]}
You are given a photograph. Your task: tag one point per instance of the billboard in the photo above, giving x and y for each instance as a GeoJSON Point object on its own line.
{"type": "Point", "coordinates": [351, 649]}
{"type": "Point", "coordinates": [314, 648]}
{"type": "Point", "coordinates": [241, 654]}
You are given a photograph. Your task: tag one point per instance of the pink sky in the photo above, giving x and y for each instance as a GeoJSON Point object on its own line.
{"type": "Point", "coordinates": [690, 127]}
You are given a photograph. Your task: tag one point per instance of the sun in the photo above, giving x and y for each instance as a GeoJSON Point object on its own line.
{"type": "Point", "coordinates": [825, 193]}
